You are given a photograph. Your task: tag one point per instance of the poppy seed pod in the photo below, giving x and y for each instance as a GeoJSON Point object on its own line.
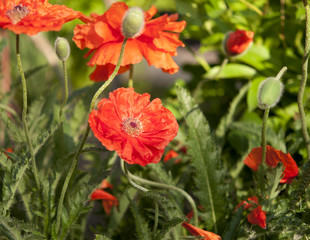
{"type": "Point", "coordinates": [133, 23]}
{"type": "Point", "coordinates": [62, 48]}
{"type": "Point", "coordinates": [269, 93]}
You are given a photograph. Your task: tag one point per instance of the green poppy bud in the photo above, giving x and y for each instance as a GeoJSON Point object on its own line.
{"type": "Point", "coordinates": [270, 91]}
{"type": "Point", "coordinates": [133, 23]}
{"type": "Point", "coordinates": [62, 48]}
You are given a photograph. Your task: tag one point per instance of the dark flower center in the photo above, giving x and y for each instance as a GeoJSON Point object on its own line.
{"type": "Point", "coordinates": [17, 13]}
{"type": "Point", "coordinates": [132, 126]}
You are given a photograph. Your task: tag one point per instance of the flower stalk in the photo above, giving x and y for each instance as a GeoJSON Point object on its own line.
{"type": "Point", "coordinates": [304, 80]}
{"type": "Point", "coordinates": [24, 114]}
{"type": "Point", "coordinates": [132, 177]}
{"type": "Point", "coordinates": [79, 150]}
{"type": "Point", "coordinates": [264, 127]}
{"type": "Point", "coordinates": [130, 81]}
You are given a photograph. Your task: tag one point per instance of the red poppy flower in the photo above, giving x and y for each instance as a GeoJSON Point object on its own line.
{"type": "Point", "coordinates": [249, 203]}
{"type": "Point", "coordinates": [172, 154]}
{"type": "Point", "coordinates": [273, 157]}
{"type": "Point", "coordinates": [199, 232]}
{"type": "Point", "coordinates": [237, 42]}
{"type": "Point", "coordinates": [108, 200]}
{"type": "Point", "coordinates": [102, 34]}
{"type": "Point", "coordinates": [257, 217]}
{"type": "Point", "coordinates": [31, 17]}
{"type": "Point", "coordinates": [137, 129]}
{"type": "Point", "coordinates": [105, 184]}
{"type": "Point", "coordinates": [10, 150]}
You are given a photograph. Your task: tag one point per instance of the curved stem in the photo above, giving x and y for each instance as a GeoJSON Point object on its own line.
{"type": "Point", "coordinates": [130, 81]}
{"type": "Point", "coordinates": [201, 83]}
{"type": "Point", "coordinates": [253, 7]}
{"type": "Point", "coordinates": [24, 115]}
{"type": "Point", "coordinates": [304, 80]}
{"type": "Point", "coordinates": [79, 150]}
{"type": "Point", "coordinates": [281, 73]}
{"type": "Point", "coordinates": [224, 63]}
{"type": "Point", "coordinates": [165, 186]}
{"type": "Point", "coordinates": [264, 127]}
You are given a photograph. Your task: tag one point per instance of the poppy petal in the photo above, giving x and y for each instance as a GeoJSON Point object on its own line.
{"type": "Point", "coordinates": [199, 232]}
{"type": "Point", "coordinates": [257, 217]}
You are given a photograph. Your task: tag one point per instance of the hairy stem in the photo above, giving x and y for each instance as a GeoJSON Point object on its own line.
{"type": "Point", "coordinates": [79, 150]}
{"type": "Point", "coordinates": [24, 115]}
{"type": "Point", "coordinates": [132, 177]}
{"type": "Point", "coordinates": [61, 138]}
{"type": "Point", "coordinates": [130, 81]}
{"type": "Point", "coordinates": [264, 127]}
{"type": "Point", "coordinates": [304, 80]}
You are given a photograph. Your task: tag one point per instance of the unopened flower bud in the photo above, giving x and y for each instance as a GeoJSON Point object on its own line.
{"type": "Point", "coordinates": [62, 48]}
{"type": "Point", "coordinates": [133, 23]}
{"type": "Point", "coordinates": [238, 42]}
{"type": "Point", "coordinates": [270, 91]}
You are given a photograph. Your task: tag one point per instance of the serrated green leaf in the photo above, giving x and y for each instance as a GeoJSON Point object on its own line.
{"type": "Point", "coordinates": [14, 131]}
{"type": "Point", "coordinates": [44, 136]}
{"type": "Point", "coordinates": [208, 177]}
{"type": "Point", "coordinates": [254, 130]}
{"type": "Point", "coordinates": [142, 228]}
{"type": "Point", "coordinates": [11, 182]}
{"type": "Point", "coordinates": [233, 225]}
{"type": "Point", "coordinates": [101, 237]}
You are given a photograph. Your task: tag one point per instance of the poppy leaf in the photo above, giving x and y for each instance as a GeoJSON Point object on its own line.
{"type": "Point", "coordinates": [202, 148]}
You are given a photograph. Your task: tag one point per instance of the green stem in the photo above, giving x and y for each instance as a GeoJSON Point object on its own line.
{"type": "Point", "coordinates": [264, 127]}
{"type": "Point", "coordinates": [132, 177]}
{"type": "Point", "coordinates": [224, 63]}
{"type": "Point", "coordinates": [79, 150]}
{"type": "Point", "coordinates": [304, 80]}
{"type": "Point", "coordinates": [130, 81]}
{"type": "Point", "coordinates": [61, 137]}
{"type": "Point", "coordinates": [24, 115]}
{"type": "Point", "coordinates": [201, 83]}
{"type": "Point", "coordinates": [281, 73]}
{"type": "Point", "coordinates": [155, 217]}
{"type": "Point", "coordinates": [66, 89]}
{"type": "Point", "coordinates": [253, 7]}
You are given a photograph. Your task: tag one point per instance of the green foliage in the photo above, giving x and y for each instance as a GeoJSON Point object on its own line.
{"type": "Point", "coordinates": [208, 176]}
{"type": "Point", "coordinates": [218, 127]}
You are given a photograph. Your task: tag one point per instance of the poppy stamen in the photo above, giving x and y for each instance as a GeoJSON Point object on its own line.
{"type": "Point", "coordinates": [132, 126]}
{"type": "Point", "coordinates": [17, 13]}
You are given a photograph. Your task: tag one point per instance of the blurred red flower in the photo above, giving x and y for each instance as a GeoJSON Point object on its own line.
{"type": "Point", "coordinates": [257, 216]}
{"type": "Point", "coordinates": [199, 232]}
{"type": "Point", "coordinates": [10, 150]}
{"type": "Point", "coordinates": [102, 34]}
{"type": "Point", "coordinates": [105, 184]}
{"type": "Point", "coordinates": [137, 129]}
{"type": "Point", "coordinates": [172, 154]}
{"type": "Point", "coordinates": [248, 204]}
{"type": "Point", "coordinates": [108, 200]}
{"type": "Point", "coordinates": [31, 17]}
{"type": "Point", "coordinates": [273, 157]}
{"type": "Point", "coordinates": [237, 42]}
